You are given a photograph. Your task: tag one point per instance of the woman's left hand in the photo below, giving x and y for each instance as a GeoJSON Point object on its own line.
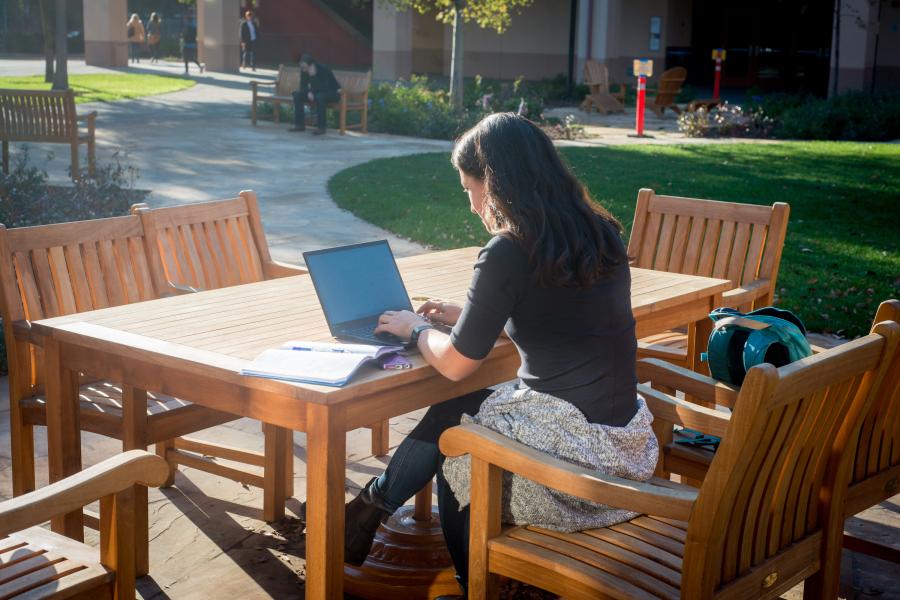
{"type": "Point", "coordinates": [399, 322]}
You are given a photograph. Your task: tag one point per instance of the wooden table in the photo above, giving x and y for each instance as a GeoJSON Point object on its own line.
{"type": "Point", "coordinates": [194, 346]}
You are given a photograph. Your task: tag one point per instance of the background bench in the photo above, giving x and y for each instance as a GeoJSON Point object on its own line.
{"type": "Point", "coordinates": [44, 116]}
{"type": "Point", "coordinates": [354, 95]}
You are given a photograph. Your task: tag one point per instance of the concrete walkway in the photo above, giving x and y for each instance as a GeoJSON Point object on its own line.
{"type": "Point", "coordinates": [198, 144]}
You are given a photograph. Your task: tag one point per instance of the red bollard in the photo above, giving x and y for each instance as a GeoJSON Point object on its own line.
{"type": "Point", "coordinates": [718, 55]}
{"type": "Point", "coordinates": [641, 96]}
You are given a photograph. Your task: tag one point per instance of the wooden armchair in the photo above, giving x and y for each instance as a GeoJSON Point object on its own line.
{"type": "Point", "coordinates": [740, 242]}
{"type": "Point", "coordinates": [53, 270]}
{"type": "Point", "coordinates": [876, 452]}
{"type": "Point", "coordinates": [596, 77]}
{"type": "Point", "coordinates": [762, 521]}
{"type": "Point", "coordinates": [670, 83]}
{"type": "Point", "coordinates": [35, 563]}
{"type": "Point", "coordinates": [211, 245]}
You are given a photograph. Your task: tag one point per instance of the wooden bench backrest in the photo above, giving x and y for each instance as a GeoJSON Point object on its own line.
{"type": "Point", "coordinates": [759, 518]}
{"type": "Point", "coordinates": [208, 245]}
{"type": "Point", "coordinates": [670, 85]}
{"type": "Point", "coordinates": [878, 447]}
{"type": "Point", "coordinates": [727, 240]}
{"type": "Point", "coordinates": [288, 80]}
{"type": "Point", "coordinates": [596, 74]}
{"type": "Point", "coordinates": [354, 83]}
{"type": "Point", "coordinates": [53, 270]}
{"type": "Point", "coordinates": [37, 115]}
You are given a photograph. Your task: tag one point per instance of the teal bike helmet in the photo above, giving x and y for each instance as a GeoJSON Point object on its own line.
{"type": "Point", "coordinates": [740, 341]}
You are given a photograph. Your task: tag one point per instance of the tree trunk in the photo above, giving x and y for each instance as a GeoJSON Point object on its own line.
{"type": "Point", "coordinates": [456, 61]}
{"type": "Point", "coordinates": [61, 77]}
{"type": "Point", "coordinates": [49, 42]}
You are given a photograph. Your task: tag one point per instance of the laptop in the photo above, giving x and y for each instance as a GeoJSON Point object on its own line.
{"type": "Point", "coordinates": [355, 285]}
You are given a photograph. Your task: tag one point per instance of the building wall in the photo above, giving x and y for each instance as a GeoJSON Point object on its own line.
{"type": "Point", "coordinates": [288, 29]}
{"type": "Point", "coordinates": [887, 60]}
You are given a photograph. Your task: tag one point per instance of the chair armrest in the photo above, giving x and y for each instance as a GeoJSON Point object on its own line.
{"type": "Point", "coordinates": [24, 333]}
{"type": "Point", "coordinates": [661, 373]}
{"type": "Point", "coordinates": [256, 82]}
{"type": "Point", "coordinates": [747, 293]}
{"type": "Point", "coordinates": [136, 467]}
{"type": "Point", "coordinates": [88, 117]}
{"type": "Point", "coordinates": [275, 269]}
{"type": "Point", "coordinates": [510, 455]}
{"type": "Point", "coordinates": [684, 413]}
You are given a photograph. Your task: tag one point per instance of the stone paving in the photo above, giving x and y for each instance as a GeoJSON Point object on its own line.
{"type": "Point", "coordinates": [207, 536]}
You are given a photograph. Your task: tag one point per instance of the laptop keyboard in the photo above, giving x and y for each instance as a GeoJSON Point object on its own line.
{"type": "Point", "coordinates": [368, 332]}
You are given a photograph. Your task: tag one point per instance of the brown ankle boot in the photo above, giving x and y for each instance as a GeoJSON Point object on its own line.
{"type": "Point", "coordinates": [362, 516]}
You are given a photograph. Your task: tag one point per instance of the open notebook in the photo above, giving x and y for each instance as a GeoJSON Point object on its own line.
{"type": "Point", "coordinates": [322, 362]}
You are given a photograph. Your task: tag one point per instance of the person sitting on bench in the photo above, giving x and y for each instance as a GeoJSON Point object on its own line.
{"type": "Point", "coordinates": [317, 86]}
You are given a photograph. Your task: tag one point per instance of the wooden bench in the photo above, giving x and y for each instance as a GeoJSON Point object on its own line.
{"type": "Point", "coordinates": [45, 116]}
{"type": "Point", "coordinates": [354, 95]}
{"type": "Point", "coordinates": [36, 563]}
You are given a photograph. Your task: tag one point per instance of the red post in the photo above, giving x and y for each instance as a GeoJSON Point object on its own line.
{"type": "Point", "coordinates": [641, 95]}
{"type": "Point", "coordinates": [718, 78]}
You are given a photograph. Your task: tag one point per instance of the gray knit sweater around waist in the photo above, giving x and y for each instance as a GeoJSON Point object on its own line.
{"type": "Point", "coordinates": [557, 428]}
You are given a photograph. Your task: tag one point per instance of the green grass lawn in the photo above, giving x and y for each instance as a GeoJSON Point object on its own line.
{"type": "Point", "coordinates": [102, 87]}
{"type": "Point", "coordinates": [841, 257]}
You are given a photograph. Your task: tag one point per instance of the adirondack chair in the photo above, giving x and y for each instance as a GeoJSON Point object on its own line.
{"type": "Point", "coordinates": [210, 245]}
{"type": "Point", "coordinates": [670, 83]}
{"type": "Point", "coordinates": [740, 242]}
{"type": "Point", "coordinates": [36, 563]}
{"type": "Point", "coordinates": [53, 270]}
{"type": "Point", "coordinates": [762, 521]}
{"type": "Point", "coordinates": [596, 77]}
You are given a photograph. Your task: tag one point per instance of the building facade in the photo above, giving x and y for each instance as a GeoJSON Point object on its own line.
{"type": "Point", "coordinates": [783, 45]}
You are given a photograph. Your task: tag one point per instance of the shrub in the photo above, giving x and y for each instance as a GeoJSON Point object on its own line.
{"type": "Point", "coordinates": [725, 120]}
{"type": "Point", "coordinates": [26, 199]}
{"type": "Point", "coordinates": [563, 129]}
{"type": "Point", "coordinates": [848, 116]}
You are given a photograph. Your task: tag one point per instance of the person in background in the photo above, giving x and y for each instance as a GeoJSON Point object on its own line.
{"type": "Point", "coordinates": [135, 30]}
{"type": "Point", "coordinates": [154, 34]}
{"type": "Point", "coordinates": [249, 37]}
{"type": "Point", "coordinates": [317, 86]}
{"type": "Point", "coordinates": [189, 45]}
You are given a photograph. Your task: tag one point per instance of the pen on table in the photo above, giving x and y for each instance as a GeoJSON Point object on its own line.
{"type": "Point", "coordinates": [308, 349]}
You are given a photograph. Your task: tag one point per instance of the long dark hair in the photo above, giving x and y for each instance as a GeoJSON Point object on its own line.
{"type": "Point", "coordinates": [532, 196]}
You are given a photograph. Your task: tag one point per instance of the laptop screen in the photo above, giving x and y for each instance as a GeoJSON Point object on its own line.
{"type": "Point", "coordinates": [356, 281]}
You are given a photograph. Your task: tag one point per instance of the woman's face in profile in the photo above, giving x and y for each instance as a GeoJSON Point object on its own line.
{"type": "Point", "coordinates": [475, 189]}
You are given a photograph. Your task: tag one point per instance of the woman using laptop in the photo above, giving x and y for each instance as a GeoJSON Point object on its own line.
{"type": "Point", "coordinates": [555, 278]}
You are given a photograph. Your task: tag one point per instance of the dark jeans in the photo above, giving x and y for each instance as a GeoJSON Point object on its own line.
{"type": "Point", "coordinates": [134, 51]}
{"type": "Point", "coordinates": [322, 99]}
{"type": "Point", "coordinates": [249, 54]}
{"type": "Point", "coordinates": [418, 459]}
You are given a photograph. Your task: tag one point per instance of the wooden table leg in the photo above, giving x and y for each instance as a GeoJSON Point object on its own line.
{"type": "Point", "coordinates": [63, 433]}
{"type": "Point", "coordinates": [134, 437]}
{"type": "Point", "coordinates": [275, 469]}
{"type": "Point", "coordinates": [326, 448]}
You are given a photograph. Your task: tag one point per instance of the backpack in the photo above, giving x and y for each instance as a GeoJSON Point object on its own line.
{"type": "Point", "coordinates": [739, 341]}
